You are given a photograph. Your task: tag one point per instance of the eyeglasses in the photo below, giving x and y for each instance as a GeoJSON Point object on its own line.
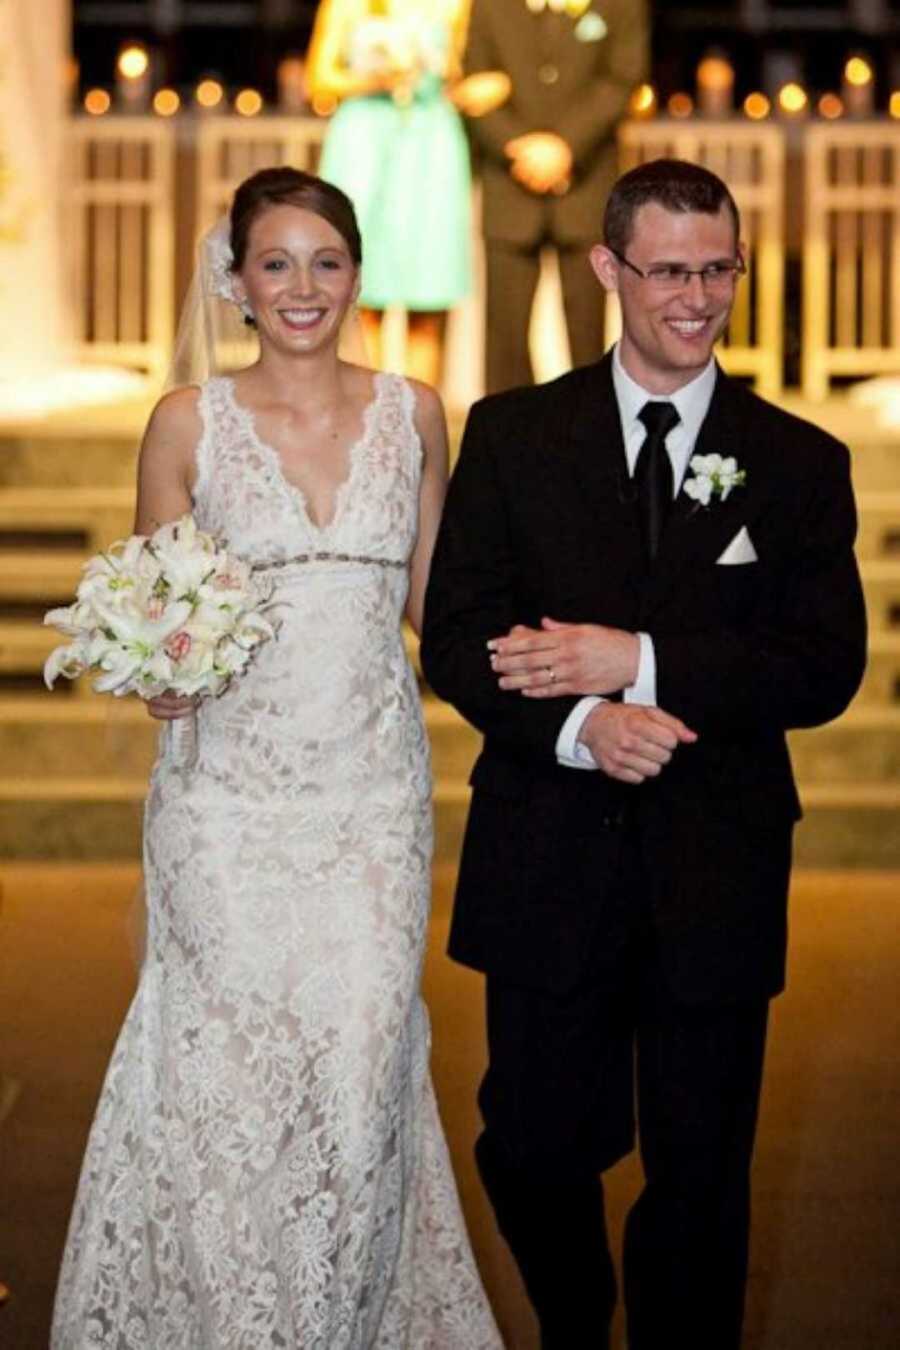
{"type": "Point", "coordinates": [717, 276]}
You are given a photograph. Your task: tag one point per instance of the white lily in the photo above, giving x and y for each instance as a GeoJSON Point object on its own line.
{"type": "Point", "coordinates": [69, 660]}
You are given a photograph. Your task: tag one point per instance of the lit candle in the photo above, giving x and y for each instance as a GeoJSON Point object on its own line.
{"type": "Point", "coordinates": [133, 78]}
{"type": "Point", "coordinates": [858, 87]}
{"type": "Point", "coordinates": [793, 101]}
{"type": "Point", "coordinates": [757, 107]}
{"type": "Point", "coordinates": [643, 101]}
{"type": "Point", "coordinates": [830, 107]}
{"type": "Point", "coordinates": [209, 96]}
{"type": "Point", "coordinates": [97, 102]}
{"type": "Point", "coordinates": [166, 102]}
{"type": "Point", "coordinates": [715, 87]}
{"type": "Point", "coordinates": [248, 103]}
{"type": "Point", "coordinates": [292, 85]}
{"type": "Point", "coordinates": [680, 105]}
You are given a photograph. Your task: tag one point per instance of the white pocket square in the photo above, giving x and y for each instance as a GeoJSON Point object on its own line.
{"type": "Point", "coordinates": [740, 550]}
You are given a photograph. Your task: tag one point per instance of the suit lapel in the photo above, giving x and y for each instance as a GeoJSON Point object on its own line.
{"type": "Point", "coordinates": [596, 456]}
{"type": "Point", "coordinates": [694, 532]}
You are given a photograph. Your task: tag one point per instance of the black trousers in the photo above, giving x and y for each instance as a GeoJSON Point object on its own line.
{"type": "Point", "coordinates": [558, 1105]}
{"type": "Point", "coordinates": [512, 278]}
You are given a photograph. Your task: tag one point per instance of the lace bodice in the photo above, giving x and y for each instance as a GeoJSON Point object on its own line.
{"type": "Point", "coordinates": [242, 492]}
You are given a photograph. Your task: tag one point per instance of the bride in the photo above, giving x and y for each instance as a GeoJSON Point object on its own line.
{"type": "Point", "coordinates": [267, 1168]}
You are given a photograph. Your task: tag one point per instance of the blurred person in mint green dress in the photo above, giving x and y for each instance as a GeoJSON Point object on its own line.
{"type": "Point", "coordinates": [397, 148]}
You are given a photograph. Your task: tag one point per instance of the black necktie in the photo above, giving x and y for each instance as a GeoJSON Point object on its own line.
{"type": "Point", "coordinates": [653, 471]}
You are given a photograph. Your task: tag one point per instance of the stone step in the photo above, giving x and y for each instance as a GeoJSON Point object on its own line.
{"type": "Point", "coordinates": [101, 515]}
{"type": "Point", "coordinates": [849, 825]}
{"type": "Point", "coordinates": [31, 575]}
{"type": "Point", "coordinates": [876, 467]}
{"type": "Point", "coordinates": [881, 584]}
{"type": "Point", "coordinates": [68, 461]}
{"type": "Point", "coordinates": [881, 682]}
{"type": "Point", "coordinates": [50, 736]}
{"type": "Point", "coordinates": [879, 526]}
{"type": "Point", "coordinates": [81, 774]}
{"type": "Point", "coordinates": [863, 746]}
{"type": "Point", "coordinates": [57, 743]}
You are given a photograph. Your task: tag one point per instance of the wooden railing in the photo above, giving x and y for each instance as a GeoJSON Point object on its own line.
{"type": "Point", "coordinates": [851, 253]}
{"type": "Point", "coordinates": [229, 150]}
{"type": "Point", "coordinates": [126, 218]}
{"type": "Point", "coordinates": [120, 232]}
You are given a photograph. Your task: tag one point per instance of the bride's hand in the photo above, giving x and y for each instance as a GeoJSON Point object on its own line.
{"type": "Point", "coordinates": [169, 707]}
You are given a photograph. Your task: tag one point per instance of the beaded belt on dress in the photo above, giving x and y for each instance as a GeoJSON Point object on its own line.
{"type": "Point", "coordinates": [361, 558]}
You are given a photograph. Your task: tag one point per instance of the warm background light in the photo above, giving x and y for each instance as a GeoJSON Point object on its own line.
{"type": "Point", "coordinates": [715, 86]}
{"type": "Point", "coordinates": [757, 106]}
{"type": "Point", "coordinates": [166, 102]}
{"type": "Point", "coordinates": [830, 106]}
{"type": "Point", "coordinates": [323, 105]}
{"type": "Point", "coordinates": [209, 93]}
{"type": "Point", "coordinates": [792, 98]}
{"type": "Point", "coordinates": [680, 105]}
{"type": "Point", "coordinates": [248, 103]}
{"type": "Point", "coordinates": [97, 102]}
{"type": "Point", "coordinates": [857, 71]}
{"type": "Point", "coordinates": [292, 89]}
{"type": "Point", "coordinates": [133, 62]}
{"type": "Point", "coordinates": [643, 101]}
{"type": "Point", "coordinates": [894, 104]}
{"type": "Point", "coordinates": [714, 72]}
{"type": "Point", "coordinates": [858, 88]}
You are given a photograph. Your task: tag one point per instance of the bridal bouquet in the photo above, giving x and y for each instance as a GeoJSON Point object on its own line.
{"type": "Point", "coordinates": [169, 612]}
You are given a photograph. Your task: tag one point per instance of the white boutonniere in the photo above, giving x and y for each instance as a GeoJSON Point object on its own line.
{"type": "Point", "coordinates": [713, 477]}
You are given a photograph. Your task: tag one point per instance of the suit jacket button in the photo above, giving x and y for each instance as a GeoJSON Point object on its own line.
{"type": "Point", "coordinates": [548, 73]}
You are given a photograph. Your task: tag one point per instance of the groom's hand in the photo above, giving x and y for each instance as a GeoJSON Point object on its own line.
{"type": "Point", "coordinates": [565, 658]}
{"type": "Point", "coordinates": [631, 742]}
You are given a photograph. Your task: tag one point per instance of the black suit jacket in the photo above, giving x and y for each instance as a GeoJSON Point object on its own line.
{"type": "Point", "coordinates": [540, 520]}
{"type": "Point", "coordinates": [591, 79]}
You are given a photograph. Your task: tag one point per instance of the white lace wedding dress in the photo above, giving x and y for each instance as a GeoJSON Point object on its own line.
{"type": "Point", "coordinates": [267, 1168]}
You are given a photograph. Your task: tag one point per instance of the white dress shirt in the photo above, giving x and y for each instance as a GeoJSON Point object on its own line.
{"type": "Point", "coordinates": [692, 404]}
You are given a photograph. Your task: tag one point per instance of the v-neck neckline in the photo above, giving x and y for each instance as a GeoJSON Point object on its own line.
{"type": "Point", "coordinates": [276, 465]}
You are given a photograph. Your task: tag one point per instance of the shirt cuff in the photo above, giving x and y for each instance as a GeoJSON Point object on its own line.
{"type": "Point", "coordinates": [644, 688]}
{"type": "Point", "coordinates": [570, 753]}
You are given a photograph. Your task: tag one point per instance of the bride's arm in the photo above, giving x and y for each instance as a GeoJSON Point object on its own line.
{"type": "Point", "coordinates": [165, 479]}
{"type": "Point", "coordinates": [166, 462]}
{"type": "Point", "coordinates": [431, 425]}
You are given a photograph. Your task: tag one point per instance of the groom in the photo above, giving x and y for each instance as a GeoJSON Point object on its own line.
{"type": "Point", "coordinates": [644, 576]}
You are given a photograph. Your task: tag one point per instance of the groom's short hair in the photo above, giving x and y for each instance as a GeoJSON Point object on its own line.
{"type": "Point", "coordinates": [675, 184]}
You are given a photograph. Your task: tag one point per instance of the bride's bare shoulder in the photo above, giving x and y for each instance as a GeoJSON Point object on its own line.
{"type": "Point", "coordinates": [177, 413]}
{"type": "Point", "coordinates": [176, 420]}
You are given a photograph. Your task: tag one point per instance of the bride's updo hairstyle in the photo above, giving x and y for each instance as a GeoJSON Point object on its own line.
{"type": "Point", "coordinates": [291, 187]}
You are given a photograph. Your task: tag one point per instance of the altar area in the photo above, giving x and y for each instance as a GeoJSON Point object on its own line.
{"type": "Point", "coordinates": [821, 219]}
